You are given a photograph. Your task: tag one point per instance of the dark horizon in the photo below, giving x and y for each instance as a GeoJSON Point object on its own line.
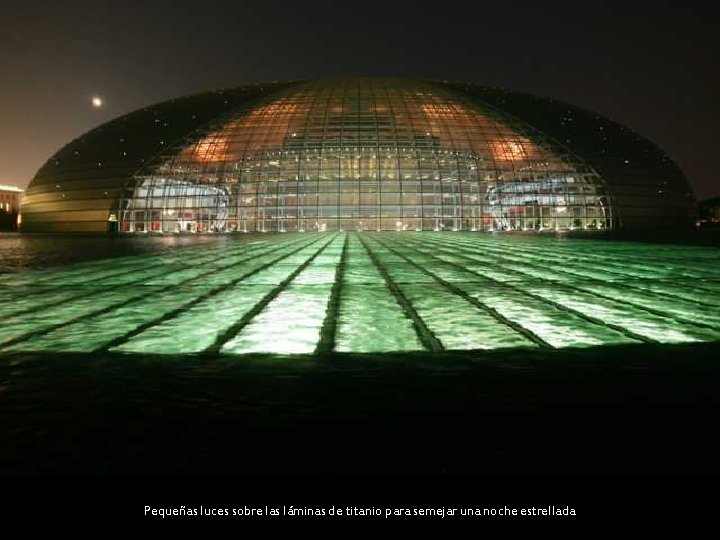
{"type": "Point", "coordinates": [651, 68]}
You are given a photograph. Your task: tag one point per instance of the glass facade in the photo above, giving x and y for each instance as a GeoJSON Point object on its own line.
{"type": "Point", "coordinates": [365, 154]}
{"type": "Point", "coordinates": [649, 191]}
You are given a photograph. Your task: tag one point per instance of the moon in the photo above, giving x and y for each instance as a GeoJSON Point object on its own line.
{"type": "Point", "coordinates": [97, 102]}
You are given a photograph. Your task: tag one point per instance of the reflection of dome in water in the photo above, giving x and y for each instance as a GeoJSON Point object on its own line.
{"type": "Point", "coordinates": [358, 154]}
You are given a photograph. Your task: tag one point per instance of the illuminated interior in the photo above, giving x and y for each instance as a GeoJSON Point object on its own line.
{"type": "Point", "coordinates": [367, 293]}
{"type": "Point", "coordinates": [365, 154]}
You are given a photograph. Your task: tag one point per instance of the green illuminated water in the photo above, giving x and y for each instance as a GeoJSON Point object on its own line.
{"type": "Point", "coordinates": [369, 293]}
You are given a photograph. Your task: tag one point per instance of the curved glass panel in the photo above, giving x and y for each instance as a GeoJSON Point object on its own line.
{"type": "Point", "coordinates": [366, 154]}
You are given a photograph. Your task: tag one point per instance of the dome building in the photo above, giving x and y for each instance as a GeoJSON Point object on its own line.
{"type": "Point", "coordinates": [358, 153]}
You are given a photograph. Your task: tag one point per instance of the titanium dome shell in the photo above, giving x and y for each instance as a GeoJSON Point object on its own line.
{"type": "Point", "coordinates": [356, 153]}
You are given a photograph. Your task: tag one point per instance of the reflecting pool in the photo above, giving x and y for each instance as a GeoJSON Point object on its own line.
{"type": "Point", "coordinates": [354, 292]}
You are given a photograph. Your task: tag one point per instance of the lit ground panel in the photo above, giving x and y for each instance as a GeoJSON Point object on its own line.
{"type": "Point", "coordinates": [367, 293]}
{"type": "Point", "coordinates": [94, 319]}
{"type": "Point", "coordinates": [452, 319]}
{"type": "Point", "coordinates": [639, 314]}
{"type": "Point", "coordinates": [199, 326]}
{"type": "Point", "coordinates": [80, 272]}
{"type": "Point", "coordinates": [370, 318]}
{"type": "Point", "coordinates": [291, 322]}
{"type": "Point", "coordinates": [573, 326]}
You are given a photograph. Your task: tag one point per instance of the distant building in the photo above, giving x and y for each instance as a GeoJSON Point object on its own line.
{"type": "Point", "coordinates": [359, 153]}
{"type": "Point", "coordinates": [10, 197]}
{"type": "Point", "coordinates": [709, 211]}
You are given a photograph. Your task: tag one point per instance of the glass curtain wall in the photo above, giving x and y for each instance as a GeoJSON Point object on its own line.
{"type": "Point", "coordinates": [366, 154]}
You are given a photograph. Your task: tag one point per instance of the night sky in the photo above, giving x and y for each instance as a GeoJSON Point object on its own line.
{"type": "Point", "coordinates": [651, 66]}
